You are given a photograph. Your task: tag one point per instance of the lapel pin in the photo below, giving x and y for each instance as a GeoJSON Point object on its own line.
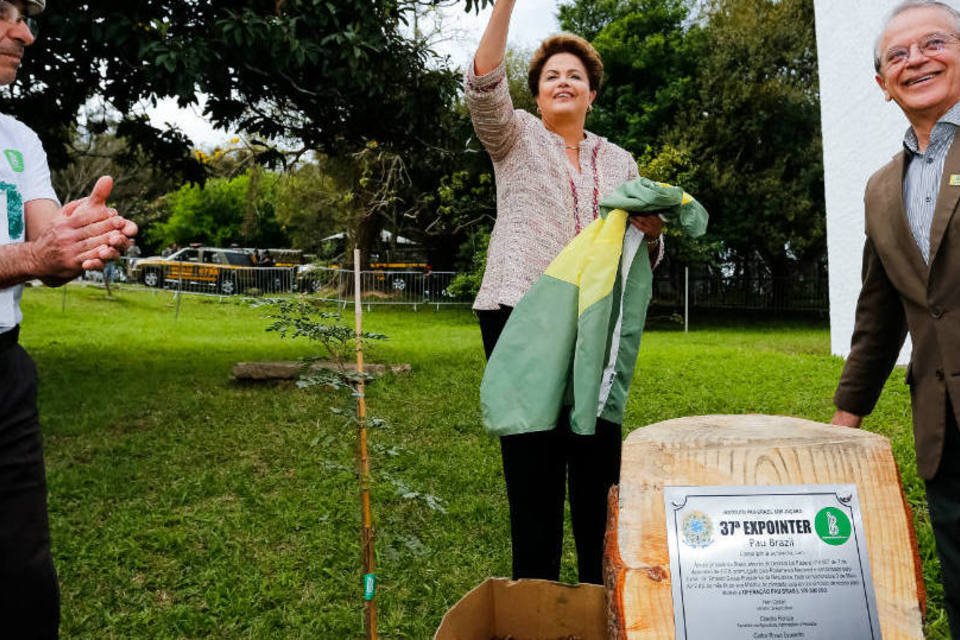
{"type": "Point", "coordinates": [954, 180]}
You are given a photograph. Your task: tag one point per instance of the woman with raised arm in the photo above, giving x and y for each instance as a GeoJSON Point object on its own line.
{"type": "Point", "coordinates": [551, 175]}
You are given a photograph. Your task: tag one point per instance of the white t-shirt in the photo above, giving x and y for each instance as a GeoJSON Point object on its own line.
{"type": "Point", "coordinates": [24, 176]}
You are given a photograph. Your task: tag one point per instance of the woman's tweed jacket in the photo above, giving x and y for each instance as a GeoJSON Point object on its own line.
{"type": "Point", "coordinates": [535, 201]}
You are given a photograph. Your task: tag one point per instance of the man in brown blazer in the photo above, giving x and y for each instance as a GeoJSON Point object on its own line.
{"type": "Point", "coordinates": [911, 265]}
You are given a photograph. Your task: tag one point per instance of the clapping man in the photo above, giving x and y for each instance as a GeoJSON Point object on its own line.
{"type": "Point", "coordinates": [39, 240]}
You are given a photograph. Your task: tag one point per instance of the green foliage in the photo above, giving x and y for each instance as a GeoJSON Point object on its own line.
{"type": "Point", "coordinates": [359, 193]}
{"type": "Point", "coordinates": [314, 73]}
{"type": "Point", "coordinates": [374, 180]}
{"type": "Point", "coordinates": [651, 58]}
{"type": "Point", "coordinates": [461, 197]}
{"type": "Point", "coordinates": [465, 198]}
{"type": "Point", "coordinates": [473, 5]}
{"type": "Point", "coordinates": [676, 166]}
{"type": "Point", "coordinates": [670, 164]}
{"type": "Point", "coordinates": [755, 130]}
{"type": "Point", "coordinates": [221, 212]}
{"type": "Point", "coordinates": [304, 317]}
{"type": "Point", "coordinates": [517, 62]}
{"type": "Point", "coordinates": [587, 19]}
{"type": "Point", "coordinates": [310, 202]}
{"type": "Point", "coordinates": [473, 253]}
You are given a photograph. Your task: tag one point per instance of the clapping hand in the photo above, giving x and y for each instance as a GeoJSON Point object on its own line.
{"type": "Point", "coordinates": [85, 235]}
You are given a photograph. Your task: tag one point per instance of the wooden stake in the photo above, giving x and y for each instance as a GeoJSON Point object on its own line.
{"type": "Point", "coordinates": [366, 535]}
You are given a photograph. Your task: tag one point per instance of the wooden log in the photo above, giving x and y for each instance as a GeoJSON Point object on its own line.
{"type": "Point", "coordinates": [287, 370]}
{"type": "Point", "coordinates": [752, 450]}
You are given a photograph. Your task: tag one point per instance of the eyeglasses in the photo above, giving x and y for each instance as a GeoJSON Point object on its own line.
{"type": "Point", "coordinates": [12, 15]}
{"type": "Point", "coordinates": [930, 46]}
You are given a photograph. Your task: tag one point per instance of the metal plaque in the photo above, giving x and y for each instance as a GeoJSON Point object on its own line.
{"type": "Point", "coordinates": [769, 563]}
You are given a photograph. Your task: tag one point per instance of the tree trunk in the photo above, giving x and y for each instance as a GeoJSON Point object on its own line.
{"type": "Point", "coordinates": [365, 235]}
{"type": "Point", "coordinates": [752, 450]}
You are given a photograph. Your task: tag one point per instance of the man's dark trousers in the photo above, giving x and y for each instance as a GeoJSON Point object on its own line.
{"type": "Point", "coordinates": [29, 595]}
{"type": "Point", "coordinates": [943, 500]}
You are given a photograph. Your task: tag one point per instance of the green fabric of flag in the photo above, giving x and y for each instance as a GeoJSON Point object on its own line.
{"type": "Point", "coordinates": [554, 348]}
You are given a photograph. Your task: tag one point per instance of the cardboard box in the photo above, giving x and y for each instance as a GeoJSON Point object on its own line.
{"type": "Point", "coordinates": [527, 610]}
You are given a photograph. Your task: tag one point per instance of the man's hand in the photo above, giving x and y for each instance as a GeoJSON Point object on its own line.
{"type": "Point", "coordinates": [846, 419]}
{"type": "Point", "coordinates": [97, 202]}
{"type": "Point", "coordinates": [84, 234]}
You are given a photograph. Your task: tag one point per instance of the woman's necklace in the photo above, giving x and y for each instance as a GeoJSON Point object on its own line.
{"type": "Point", "coordinates": [596, 190]}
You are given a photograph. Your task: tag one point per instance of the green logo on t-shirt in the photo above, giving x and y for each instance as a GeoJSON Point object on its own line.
{"type": "Point", "coordinates": [14, 211]}
{"type": "Point", "coordinates": [15, 158]}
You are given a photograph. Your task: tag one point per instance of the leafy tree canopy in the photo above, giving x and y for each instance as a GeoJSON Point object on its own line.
{"type": "Point", "coordinates": [222, 212]}
{"type": "Point", "coordinates": [314, 74]}
{"type": "Point", "coordinates": [754, 130]}
{"type": "Point", "coordinates": [309, 204]}
{"type": "Point", "coordinates": [650, 54]}
{"type": "Point", "coordinates": [587, 19]}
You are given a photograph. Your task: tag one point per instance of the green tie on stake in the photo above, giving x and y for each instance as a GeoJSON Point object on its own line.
{"type": "Point", "coordinates": [369, 586]}
{"type": "Point", "coordinates": [366, 534]}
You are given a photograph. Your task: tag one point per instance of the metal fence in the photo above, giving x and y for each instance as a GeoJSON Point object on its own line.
{"type": "Point", "coordinates": [411, 288]}
{"type": "Point", "coordinates": [777, 295]}
{"type": "Point", "coordinates": [679, 291]}
{"type": "Point", "coordinates": [196, 277]}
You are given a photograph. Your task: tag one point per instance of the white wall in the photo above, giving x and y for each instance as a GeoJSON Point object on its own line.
{"type": "Point", "coordinates": [861, 132]}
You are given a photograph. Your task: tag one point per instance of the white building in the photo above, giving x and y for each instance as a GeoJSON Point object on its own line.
{"type": "Point", "coordinates": [861, 132]}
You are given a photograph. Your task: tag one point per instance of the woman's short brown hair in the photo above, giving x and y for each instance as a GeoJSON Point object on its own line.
{"type": "Point", "coordinates": [565, 43]}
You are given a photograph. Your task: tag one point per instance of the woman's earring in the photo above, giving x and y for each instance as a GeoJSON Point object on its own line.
{"type": "Point", "coordinates": [589, 107]}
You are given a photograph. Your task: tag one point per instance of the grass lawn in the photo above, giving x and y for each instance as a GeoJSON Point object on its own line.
{"type": "Point", "coordinates": [187, 506]}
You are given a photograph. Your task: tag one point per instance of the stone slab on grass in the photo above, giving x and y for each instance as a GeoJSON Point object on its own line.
{"type": "Point", "coordinates": [290, 370]}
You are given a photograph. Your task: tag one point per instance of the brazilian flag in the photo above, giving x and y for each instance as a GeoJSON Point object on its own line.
{"type": "Point", "coordinates": [558, 340]}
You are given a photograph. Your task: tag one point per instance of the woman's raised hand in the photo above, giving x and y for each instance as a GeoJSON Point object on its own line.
{"type": "Point", "coordinates": [493, 44]}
